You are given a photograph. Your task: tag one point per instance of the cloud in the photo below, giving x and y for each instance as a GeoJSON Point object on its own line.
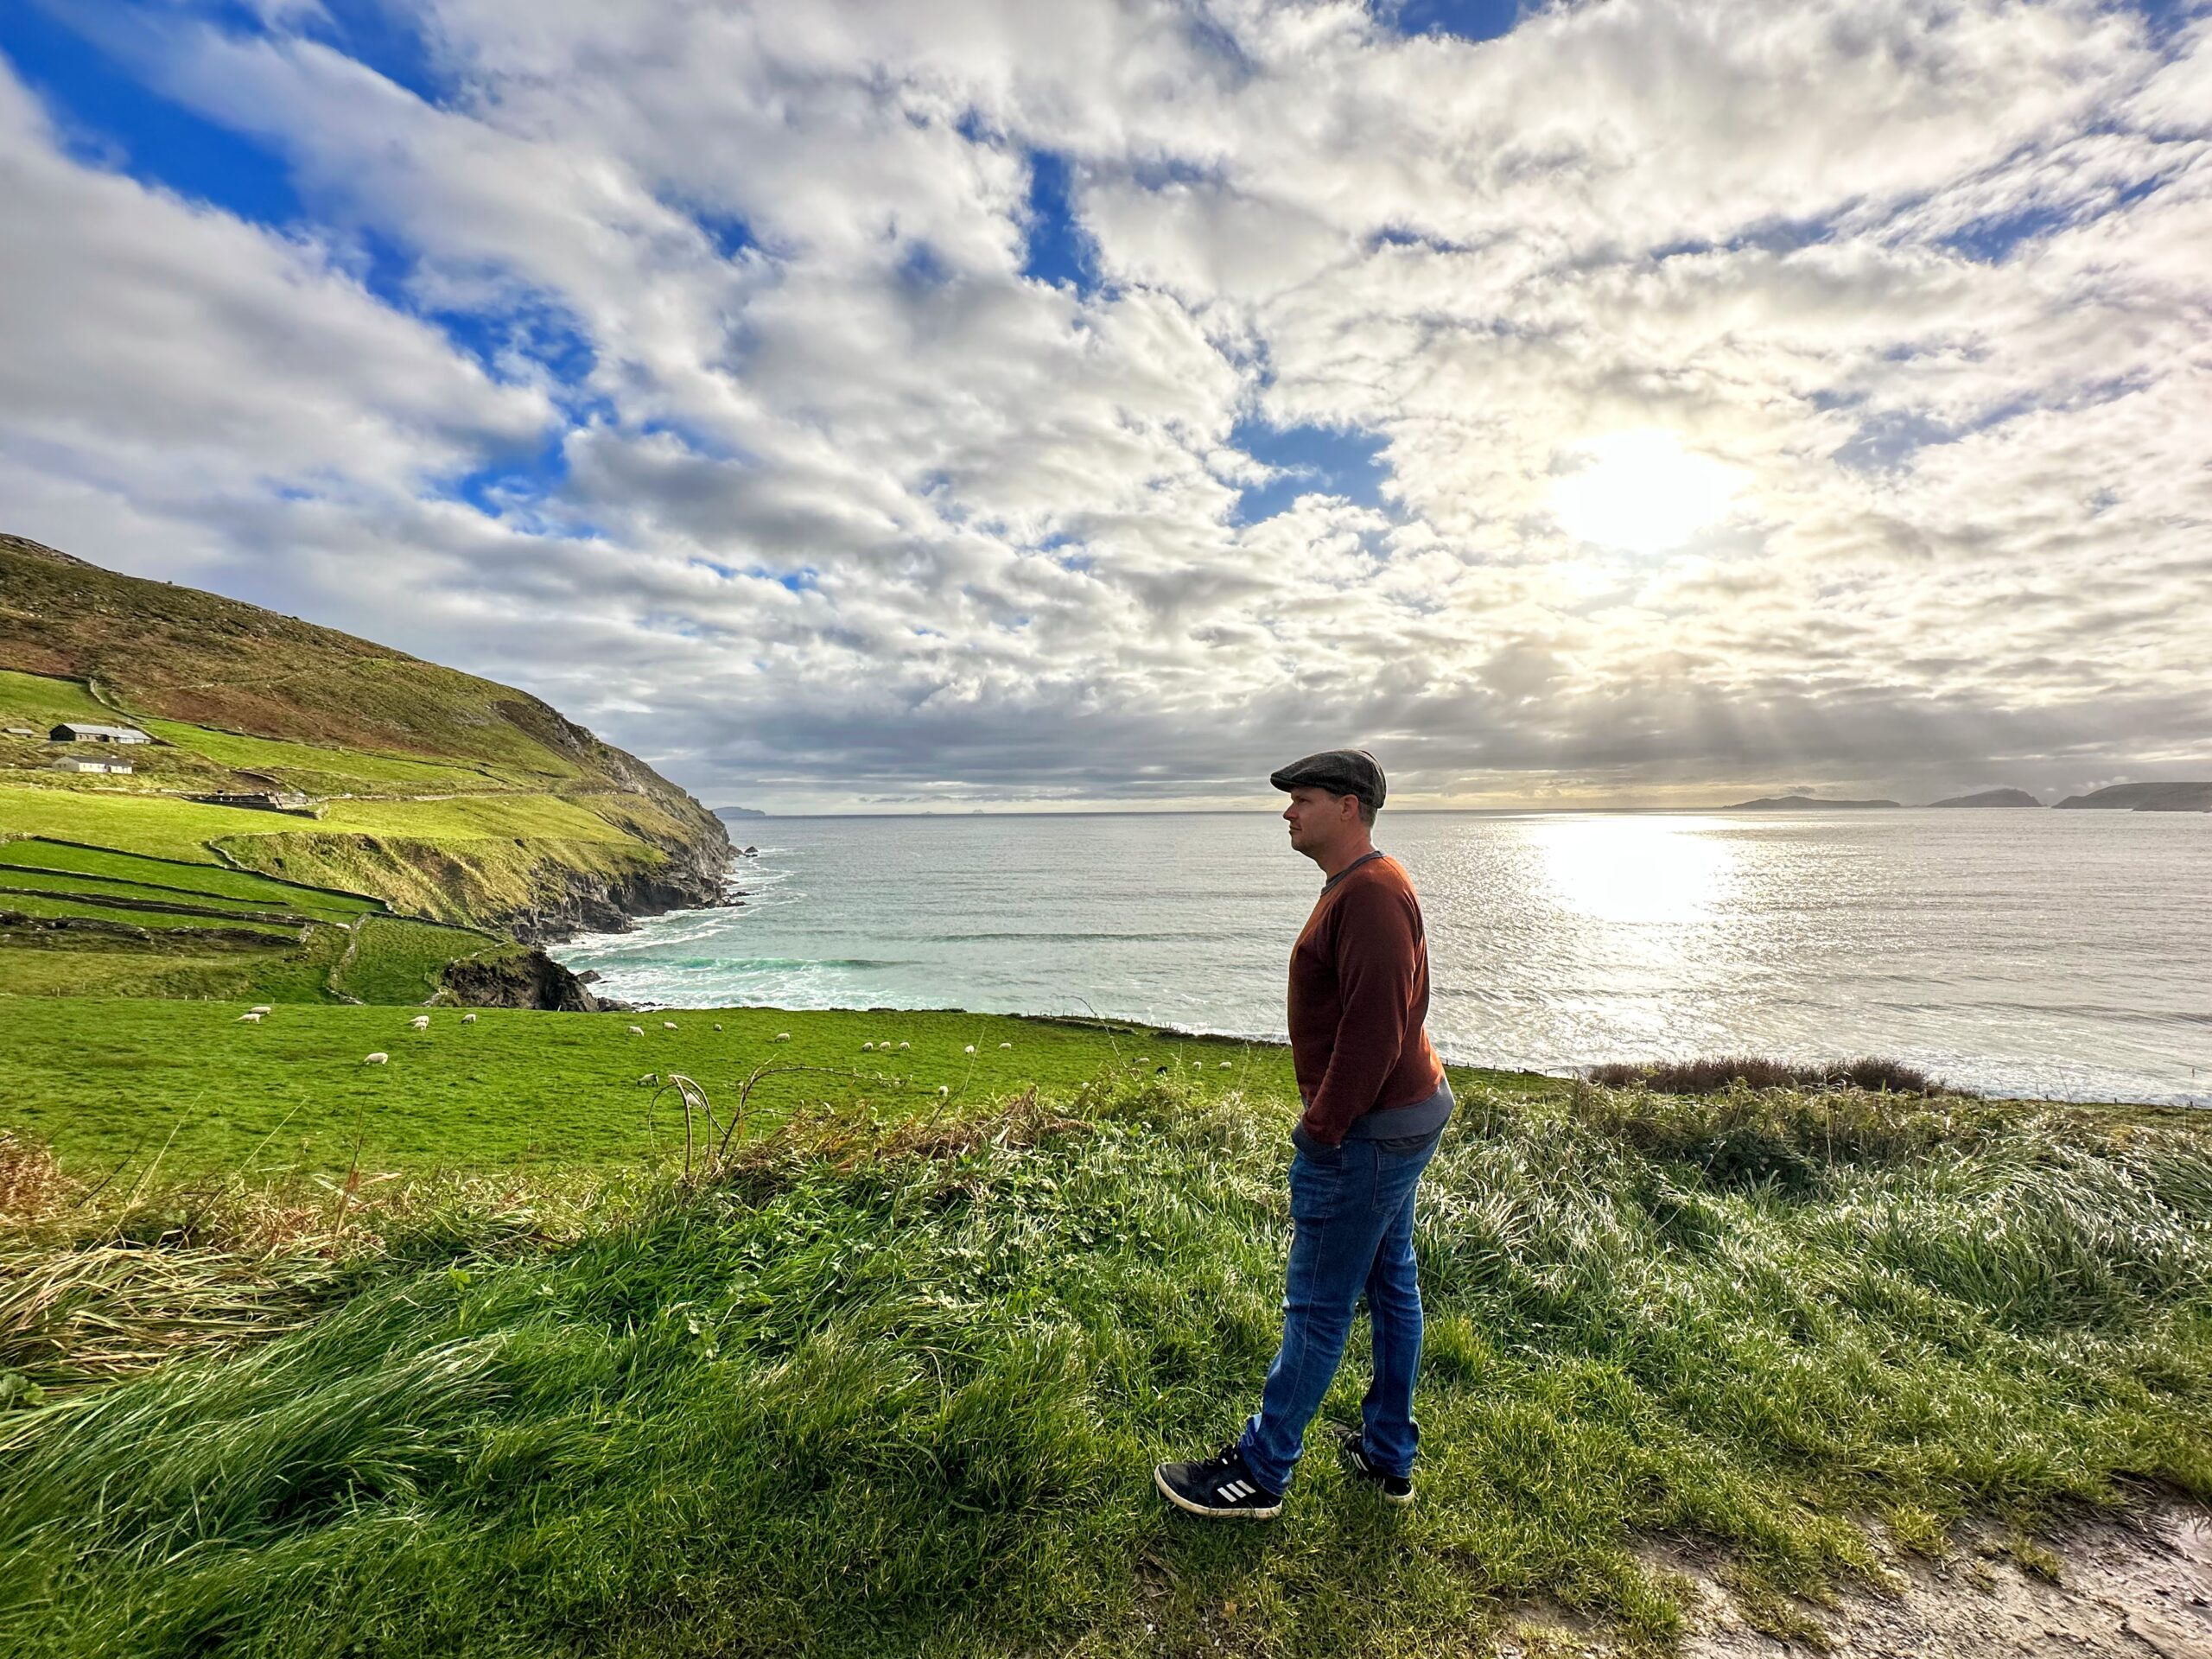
{"type": "Point", "coordinates": [155, 345]}
{"type": "Point", "coordinates": [681, 361]}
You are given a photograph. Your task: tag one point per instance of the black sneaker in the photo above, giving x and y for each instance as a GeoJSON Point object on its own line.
{"type": "Point", "coordinates": [1221, 1488]}
{"type": "Point", "coordinates": [1394, 1489]}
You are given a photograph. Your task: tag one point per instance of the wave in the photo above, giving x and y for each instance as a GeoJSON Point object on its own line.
{"type": "Point", "coordinates": [1101, 936]}
{"type": "Point", "coordinates": [772, 964]}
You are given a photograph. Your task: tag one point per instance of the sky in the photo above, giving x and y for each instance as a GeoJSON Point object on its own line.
{"type": "Point", "coordinates": [901, 404]}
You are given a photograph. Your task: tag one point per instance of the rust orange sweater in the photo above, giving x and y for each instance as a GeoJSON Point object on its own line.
{"type": "Point", "coordinates": [1358, 999]}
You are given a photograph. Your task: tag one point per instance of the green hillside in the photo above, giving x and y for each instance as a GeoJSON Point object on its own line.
{"type": "Point", "coordinates": [351, 775]}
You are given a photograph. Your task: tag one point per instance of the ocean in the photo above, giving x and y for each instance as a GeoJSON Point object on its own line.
{"type": "Point", "coordinates": [2065, 955]}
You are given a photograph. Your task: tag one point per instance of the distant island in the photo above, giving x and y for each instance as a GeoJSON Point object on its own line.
{"type": "Point", "coordinates": [1795, 803]}
{"type": "Point", "coordinates": [727, 812]}
{"type": "Point", "coordinates": [1991, 797]}
{"type": "Point", "coordinates": [2147, 798]}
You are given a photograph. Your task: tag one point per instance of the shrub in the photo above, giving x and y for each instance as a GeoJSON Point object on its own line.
{"type": "Point", "coordinates": [1711, 1075]}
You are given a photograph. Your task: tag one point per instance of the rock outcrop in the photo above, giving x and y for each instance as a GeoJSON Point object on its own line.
{"type": "Point", "coordinates": [527, 979]}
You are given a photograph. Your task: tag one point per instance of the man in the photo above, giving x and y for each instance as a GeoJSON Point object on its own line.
{"type": "Point", "coordinates": [1377, 1103]}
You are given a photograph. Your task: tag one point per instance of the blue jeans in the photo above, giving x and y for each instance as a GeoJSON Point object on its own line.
{"type": "Point", "coordinates": [1351, 1213]}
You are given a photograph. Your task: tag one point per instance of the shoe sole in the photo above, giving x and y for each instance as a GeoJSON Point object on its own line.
{"type": "Point", "coordinates": [1190, 1507]}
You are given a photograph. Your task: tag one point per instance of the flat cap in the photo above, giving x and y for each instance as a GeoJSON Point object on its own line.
{"type": "Point", "coordinates": [1341, 772]}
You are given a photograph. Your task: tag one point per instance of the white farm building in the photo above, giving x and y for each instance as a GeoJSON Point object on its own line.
{"type": "Point", "coordinates": [69, 732]}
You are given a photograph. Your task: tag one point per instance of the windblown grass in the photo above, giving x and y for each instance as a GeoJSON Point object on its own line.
{"type": "Point", "coordinates": [893, 1385]}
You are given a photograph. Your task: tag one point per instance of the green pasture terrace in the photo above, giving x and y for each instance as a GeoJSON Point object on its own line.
{"type": "Point", "coordinates": [77, 919]}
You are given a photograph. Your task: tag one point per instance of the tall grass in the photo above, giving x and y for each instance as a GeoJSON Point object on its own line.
{"type": "Point", "coordinates": [895, 1387]}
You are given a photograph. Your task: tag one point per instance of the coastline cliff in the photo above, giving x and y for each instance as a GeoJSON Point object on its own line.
{"type": "Point", "coordinates": [263, 744]}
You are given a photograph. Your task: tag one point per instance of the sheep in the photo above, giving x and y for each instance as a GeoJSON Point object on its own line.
{"type": "Point", "coordinates": [668, 1024]}
{"type": "Point", "coordinates": [868, 1048]}
{"type": "Point", "coordinates": [971, 1049]}
{"type": "Point", "coordinates": [650, 1077]}
{"type": "Point", "coordinates": [637, 1031]}
{"type": "Point", "coordinates": [1006, 1044]}
{"type": "Point", "coordinates": [467, 1019]}
{"type": "Point", "coordinates": [944, 1087]}
{"type": "Point", "coordinates": [421, 1022]}
{"type": "Point", "coordinates": [783, 1036]}
{"type": "Point", "coordinates": [261, 1008]}
{"type": "Point", "coordinates": [1224, 1065]}
{"type": "Point", "coordinates": [905, 1045]}
{"type": "Point", "coordinates": [718, 1025]}
{"type": "Point", "coordinates": [1142, 1059]}
{"type": "Point", "coordinates": [249, 1019]}
{"type": "Point", "coordinates": [378, 1059]}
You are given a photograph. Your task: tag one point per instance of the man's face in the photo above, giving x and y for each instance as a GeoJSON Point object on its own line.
{"type": "Point", "coordinates": [1318, 819]}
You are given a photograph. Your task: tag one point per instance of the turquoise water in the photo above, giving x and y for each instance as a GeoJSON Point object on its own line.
{"type": "Point", "coordinates": [2062, 954]}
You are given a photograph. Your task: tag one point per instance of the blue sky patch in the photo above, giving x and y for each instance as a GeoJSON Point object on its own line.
{"type": "Point", "coordinates": [1060, 251]}
{"type": "Point", "coordinates": [516, 479]}
{"type": "Point", "coordinates": [98, 103]}
{"type": "Point", "coordinates": [1465, 20]}
{"type": "Point", "coordinates": [535, 327]}
{"type": "Point", "coordinates": [377, 34]}
{"type": "Point", "coordinates": [1887, 440]}
{"type": "Point", "coordinates": [730, 235]}
{"type": "Point", "coordinates": [1991, 239]}
{"type": "Point", "coordinates": [1331, 461]}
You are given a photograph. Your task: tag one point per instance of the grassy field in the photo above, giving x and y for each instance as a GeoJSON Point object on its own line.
{"type": "Point", "coordinates": [97, 889]}
{"type": "Point", "coordinates": [396, 960]}
{"type": "Point", "coordinates": [45, 906]}
{"type": "Point", "coordinates": [103, 1080]}
{"type": "Point", "coordinates": [164, 828]}
{"type": "Point", "coordinates": [41, 702]}
{"type": "Point", "coordinates": [33, 859]}
{"type": "Point", "coordinates": [150, 824]}
{"type": "Point", "coordinates": [892, 1382]}
{"type": "Point", "coordinates": [323, 946]}
{"type": "Point", "coordinates": [174, 964]}
{"type": "Point", "coordinates": [469, 860]}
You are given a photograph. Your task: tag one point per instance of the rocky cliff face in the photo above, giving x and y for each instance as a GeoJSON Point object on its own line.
{"type": "Point", "coordinates": [569, 902]}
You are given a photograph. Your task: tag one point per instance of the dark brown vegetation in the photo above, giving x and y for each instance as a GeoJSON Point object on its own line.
{"type": "Point", "coordinates": [1714, 1073]}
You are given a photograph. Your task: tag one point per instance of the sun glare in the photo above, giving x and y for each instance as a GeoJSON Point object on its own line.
{"type": "Point", "coordinates": [1666, 872]}
{"type": "Point", "coordinates": [1641, 492]}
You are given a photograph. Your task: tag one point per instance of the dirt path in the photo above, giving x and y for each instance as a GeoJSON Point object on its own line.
{"type": "Point", "coordinates": [2141, 1589]}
